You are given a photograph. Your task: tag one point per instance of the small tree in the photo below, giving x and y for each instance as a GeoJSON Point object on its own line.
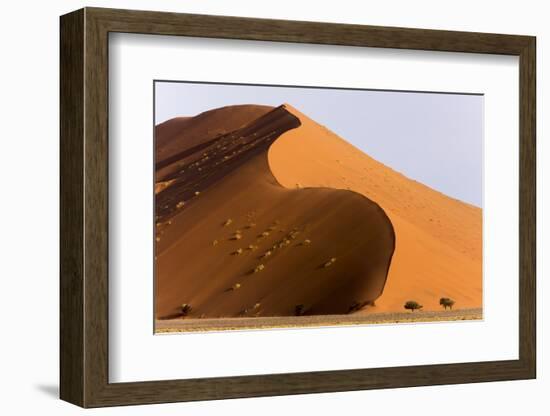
{"type": "Point", "coordinates": [299, 310]}
{"type": "Point", "coordinates": [412, 305]}
{"type": "Point", "coordinates": [185, 309]}
{"type": "Point", "coordinates": [447, 303]}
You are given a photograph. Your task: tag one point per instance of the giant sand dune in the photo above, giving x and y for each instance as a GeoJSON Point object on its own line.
{"type": "Point", "coordinates": [232, 241]}
{"type": "Point", "coordinates": [261, 211]}
{"type": "Point", "coordinates": [438, 239]}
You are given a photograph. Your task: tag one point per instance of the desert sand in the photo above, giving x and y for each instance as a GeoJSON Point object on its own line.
{"type": "Point", "coordinates": [232, 242]}
{"type": "Point", "coordinates": [371, 318]}
{"type": "Point", "coordinates": [262, 212]}
{"type": "Point", "coordinates": [438, 249]}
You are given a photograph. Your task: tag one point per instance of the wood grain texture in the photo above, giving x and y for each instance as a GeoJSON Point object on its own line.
{"type": "Point", "coordinates": [96, 218]}
{"type": "Point", "coordinates": [84, 207]}
{"type": "Point", "coordinates": [527, 208]}
{"type": "Point", "coordinates": [71, 213]}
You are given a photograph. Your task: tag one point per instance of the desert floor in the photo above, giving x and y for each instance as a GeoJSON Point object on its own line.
{"type": "Point", "coordinates": [224, 324]}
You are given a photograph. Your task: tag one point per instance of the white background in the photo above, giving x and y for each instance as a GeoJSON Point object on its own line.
{"type": "Point", "coordinates": [29, 175]}
{"type": "Point", "coordinates": [135, 60]}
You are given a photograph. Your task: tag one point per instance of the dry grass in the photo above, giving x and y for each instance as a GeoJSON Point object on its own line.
{"type": "Point", "coordinates": [236, 236]}
{"type": "Point", "coordinates": [330, 262]}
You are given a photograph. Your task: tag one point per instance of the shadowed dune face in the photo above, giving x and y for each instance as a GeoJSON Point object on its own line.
{"type": "Point", "coordinates": [208, 158]}
{"type": "Point", "coordinates": [182, 133]}
{"type": "Point", "coordinates": [438, 249]}
{"type": "Point", "coordinates": [231, 241]}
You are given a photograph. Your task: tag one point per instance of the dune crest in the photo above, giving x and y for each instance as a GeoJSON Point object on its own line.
{"type": "Point", "coordinates": [438, 239]}
{"type": "Point", "coordinates": [231, 241]}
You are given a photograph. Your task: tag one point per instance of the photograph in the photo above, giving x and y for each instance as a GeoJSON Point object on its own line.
{"type": "Point", "coordinates": [265, 205]}
{"type": "Point", "coordinates": [281, 206]}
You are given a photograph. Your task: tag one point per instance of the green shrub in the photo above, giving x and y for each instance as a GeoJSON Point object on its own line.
{"type": "Point", "coordinates": [299, 310]}
{"type": "Point", "coordinates": [185, 309]}
{"type": "Point", "coordinates": [412, 305]}
{"type": "Point", "coordinates": [447, 303]}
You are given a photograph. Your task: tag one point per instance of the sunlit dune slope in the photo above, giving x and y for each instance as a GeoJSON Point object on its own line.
{"type": "Point", "coordinates": [438, 239]}
{"type": "Point", "coordinates": [231, 241]}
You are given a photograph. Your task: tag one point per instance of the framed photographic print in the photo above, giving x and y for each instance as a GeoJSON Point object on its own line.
{"type": "Point", "coordinates": [264, 213]}
{"type": "Point", "coordinates": [255, 207]}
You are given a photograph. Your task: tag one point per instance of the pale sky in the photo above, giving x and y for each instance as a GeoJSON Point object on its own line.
{"type": "Point", "coordinates": [436, 139]}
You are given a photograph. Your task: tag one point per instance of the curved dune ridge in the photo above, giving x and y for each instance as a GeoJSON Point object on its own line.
{"type": "Point", "coordinates": [438, 249]}
{"type": "Point", "coordinates": [233, 240]}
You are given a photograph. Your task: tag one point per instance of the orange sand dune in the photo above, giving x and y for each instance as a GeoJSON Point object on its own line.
{"type": "Point", "coordinates": [438, 239]}
{"type": "Point", "coordinates": [231, 241]}
{"type": "Point", "coordinates": [178, 134]}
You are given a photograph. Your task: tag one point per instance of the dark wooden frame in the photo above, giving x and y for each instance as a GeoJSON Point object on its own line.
{"type": "Point", "coordinates": [84, 207]}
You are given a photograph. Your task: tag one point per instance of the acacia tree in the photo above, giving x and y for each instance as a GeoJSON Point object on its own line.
{"type": "Point", "coordinates": [412, 305]}
{"type": "Point", "coordinates": [447, 303]}
{"type": "Point", "coordinates": [185, 309]}
{"type": "Point", "coordinates": [299, 310]}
